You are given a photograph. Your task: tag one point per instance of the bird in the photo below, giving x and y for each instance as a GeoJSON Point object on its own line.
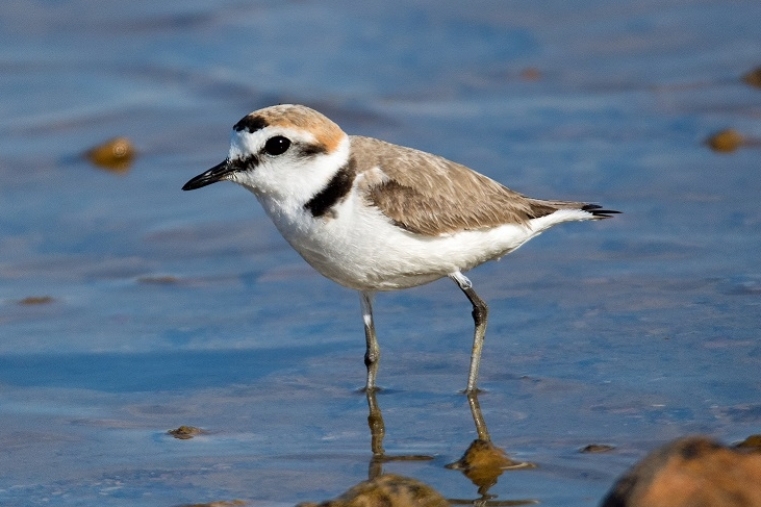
{"type": "Point", "coordinates": [375, 216]}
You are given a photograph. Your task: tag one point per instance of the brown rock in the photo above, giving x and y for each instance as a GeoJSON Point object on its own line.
{"type": "Point", "coordinates": [186, 432]}
{"type": "Point", "coordinates": [115, 154]}
{"type": "Point", "coordinates": [690, 472]}
{"type": "Point", "coordinates": [725, 141]}
{"type": "Point", "coordinates": [386, 491]}
{"type": "Point", "coordinates": [753, 78]}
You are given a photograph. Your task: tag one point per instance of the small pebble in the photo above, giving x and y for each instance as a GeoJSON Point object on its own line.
{"type": "Point", "coordinates": [36, 300]}
{"type": "Point", "coordinates": [158, 280]}
{"type": "Point", "coordinates": [753, 78]}
{"type": "Point", "coordinates": [531, 74]}
{"type": "Point", "coordinates": [726, 141]}
{"type": "Point", "coordinates": [186, 432]}
{"type": "Point", "coordinates": [116, 154]}
{"type": "Point", "coordinates": [596, 448]}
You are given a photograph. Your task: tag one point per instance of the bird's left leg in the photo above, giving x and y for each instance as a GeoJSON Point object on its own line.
{"type": "Point", "coordinates": [480, 315]}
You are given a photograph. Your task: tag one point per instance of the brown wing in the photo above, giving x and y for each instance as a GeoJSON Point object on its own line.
{"type": "Point", "coordinates": [431, 195]}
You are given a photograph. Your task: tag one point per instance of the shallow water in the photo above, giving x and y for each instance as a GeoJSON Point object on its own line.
{"type": "Point", "coordinates": [168, 308]}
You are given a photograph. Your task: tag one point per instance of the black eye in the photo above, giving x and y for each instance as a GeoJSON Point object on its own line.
{"type": "Point", "coordinates": [277, 145]}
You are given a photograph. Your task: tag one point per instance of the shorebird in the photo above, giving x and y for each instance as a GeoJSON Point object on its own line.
{"type": "Point", "coordinates": [375, 216]}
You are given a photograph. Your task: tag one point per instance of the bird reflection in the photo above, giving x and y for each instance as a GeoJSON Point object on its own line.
{"type": "Point", "coordinates": [377, 432]}
{"type": "Point", "coordinates": [482, 463]}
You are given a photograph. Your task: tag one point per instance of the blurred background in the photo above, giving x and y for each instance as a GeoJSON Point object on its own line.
{"type": "Point", "coordinates": [129, 308]}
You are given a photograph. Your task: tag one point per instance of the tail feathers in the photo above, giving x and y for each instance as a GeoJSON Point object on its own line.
{"type": "Point", "coordinates": [541, 208]}
{"type": "Point", "coordinates": [598, 211]}
{"type": "Point", "coordinates": [565, 211]}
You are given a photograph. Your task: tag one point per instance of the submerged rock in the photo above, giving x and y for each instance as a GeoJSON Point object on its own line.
{"type": "Point", "coordinates": [116, 154]}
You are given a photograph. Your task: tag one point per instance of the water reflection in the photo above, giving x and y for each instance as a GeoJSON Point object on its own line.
{"type": "Point", "coordinates": [482, 463]}
{"type": "Point", "coordinates": [377, 433]}
{"type": "Point", "coordinates": [389, 490]}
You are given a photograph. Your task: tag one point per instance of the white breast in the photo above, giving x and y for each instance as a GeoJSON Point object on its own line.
{"type": "Point", "coordinates": [358, 247]}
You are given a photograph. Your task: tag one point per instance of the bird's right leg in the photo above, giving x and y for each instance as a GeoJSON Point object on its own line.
{"type": "Point", "coordinates": [480, 315]}
{"type": "Point", "coordinates": [372, 353]}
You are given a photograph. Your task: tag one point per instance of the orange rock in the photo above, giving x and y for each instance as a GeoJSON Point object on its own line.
{"type": "Point", "coordinates": [691, 472]}
{"type": "Point", "coordinates": [115, 154]}
{"type": "Point", "coordinates": [725, 141]}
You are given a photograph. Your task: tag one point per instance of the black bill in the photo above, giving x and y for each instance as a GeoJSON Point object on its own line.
{"type": "Point", "coordinates": [213, 175]}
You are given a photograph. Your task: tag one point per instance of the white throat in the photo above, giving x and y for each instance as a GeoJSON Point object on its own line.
{"type": "Point", "coordinates": [293, 181]}
{"type": "Point", "coordinates": [284, 186]}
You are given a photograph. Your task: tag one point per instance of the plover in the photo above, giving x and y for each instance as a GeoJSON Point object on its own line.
{"type": "Point", "coordinates": [374, 216]}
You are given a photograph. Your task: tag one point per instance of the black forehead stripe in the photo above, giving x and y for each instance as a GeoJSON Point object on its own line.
{"type": "Point", "coordinates": [334, 192]}
{"type": "Point", "coordinates": [250, 123]}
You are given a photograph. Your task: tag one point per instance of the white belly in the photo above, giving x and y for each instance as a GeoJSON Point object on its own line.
{"type": "Point", "coordinates": [359, 248]}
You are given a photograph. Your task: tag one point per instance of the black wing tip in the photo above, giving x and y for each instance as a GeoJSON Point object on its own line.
{"type": "Point", "coordinates": [598, 211]}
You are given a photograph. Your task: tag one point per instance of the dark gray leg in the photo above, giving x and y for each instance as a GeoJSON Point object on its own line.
{"type": "Point", "coordinates": [480, 315]}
